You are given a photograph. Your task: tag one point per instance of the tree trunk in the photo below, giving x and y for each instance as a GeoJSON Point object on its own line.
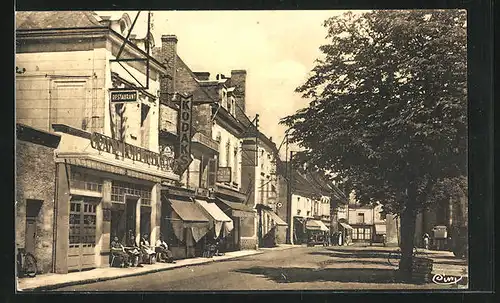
{"type": "Point", "coordinates": [408, 221]}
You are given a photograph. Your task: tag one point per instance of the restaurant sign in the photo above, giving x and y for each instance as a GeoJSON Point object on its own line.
{"type": "Point", "coordinates": [183, 157]}
{"type": "Point", "coordinates": [224, 174]}
{"type": "Point", "coordinates": [104, 143]}
{"type": "Point", "coordinates": [123, 96]}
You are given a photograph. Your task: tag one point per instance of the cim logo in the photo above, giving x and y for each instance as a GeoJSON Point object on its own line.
{"type": "Point", "coordinates": [445, 280]}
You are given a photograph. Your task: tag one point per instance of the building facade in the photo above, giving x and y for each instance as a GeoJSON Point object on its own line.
{"type": "Point", "coordinates": [35, 188]}
{"type": "Point", "coordinates": [108, 164]}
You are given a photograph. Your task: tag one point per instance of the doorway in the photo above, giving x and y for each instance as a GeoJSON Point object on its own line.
{"type": "Point", "coordinates": [32, 212]}
{"type": "Point", "coordinates": [82, 233]}
{"type": "Point", "coordinates": [131, 213]}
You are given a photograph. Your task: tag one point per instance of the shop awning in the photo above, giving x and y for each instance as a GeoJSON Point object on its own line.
{"type": "Point", "coordinates": [380, 229]}
{"type": "Point", "coordinates": [238, 209]}
{"type": "Point", "coordinates": [188, 211]}
{"type": "Point", "coordinates": [316, 225]}
{"type": "Point", "coordinates": [188, 215]}
{"type": "Point", "coordinates": [220, 220]}
{"type": "Point", "coordinates": [346, 226]}
{"type": "Point", "coordinates": [277, 220]}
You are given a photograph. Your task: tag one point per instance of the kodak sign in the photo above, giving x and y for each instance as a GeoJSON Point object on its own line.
{"type": "Point", "coordinates": [185, 129]}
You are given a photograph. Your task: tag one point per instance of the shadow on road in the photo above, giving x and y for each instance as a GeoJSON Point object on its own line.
{"type": "Point", "coordinates": [295, 274]}
{"type": "Point", "coordinates": [382, 254]}
{"type": "Point", "coordinates": [352, 254]}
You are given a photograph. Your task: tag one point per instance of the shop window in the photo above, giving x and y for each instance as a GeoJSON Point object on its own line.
{"type": "Point", "coordinates": [79, 180]}
{"type": "Point", "coordinates": [368, 234]}
{"type": "Point", "coordinates": [120, 189]}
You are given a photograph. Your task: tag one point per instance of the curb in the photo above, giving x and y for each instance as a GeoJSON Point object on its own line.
{"type": "Point", "coordinates": [95, 280]}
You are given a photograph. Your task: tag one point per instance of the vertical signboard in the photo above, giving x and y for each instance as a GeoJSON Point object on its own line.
{"type": "Point", "coordinates": [184, 158]}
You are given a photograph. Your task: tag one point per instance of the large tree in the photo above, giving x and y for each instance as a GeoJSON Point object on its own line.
{"type": "Point", "coordinates": [388, 108]}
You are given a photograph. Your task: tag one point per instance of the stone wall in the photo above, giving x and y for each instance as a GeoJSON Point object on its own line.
{"type": "Point", "coordinates": [35, 180]}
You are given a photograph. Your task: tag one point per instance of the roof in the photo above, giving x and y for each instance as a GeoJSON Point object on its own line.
{"type": "Point", "coordinates": [56, 19]}
{"type": "Point", "coordinates": [37, 136]}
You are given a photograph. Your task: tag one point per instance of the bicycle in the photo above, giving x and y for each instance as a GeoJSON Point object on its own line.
{"type": "Point", "coordinates": [26, 264]}
{"type": "Point", "coordinates": [395, 256]}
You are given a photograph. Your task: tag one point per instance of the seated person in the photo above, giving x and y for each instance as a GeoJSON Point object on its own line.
{"type": "Point", "coordinates": [119, 250]}
{"type": "Point", "coordinates": [162, 249]}
{"type": "Point", "coordinates": [133, 251]}
{"type": "Point", "coordinates": [146, 249]}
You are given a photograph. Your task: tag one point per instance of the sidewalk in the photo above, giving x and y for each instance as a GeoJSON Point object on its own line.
{"type": "Point", "coordinates": [52, 281]}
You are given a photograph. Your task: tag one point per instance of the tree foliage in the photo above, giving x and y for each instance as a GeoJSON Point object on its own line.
{"type": "Point", "coordinates": [388, 103]}
{"type": "Point", "coordinates": [388, 109]}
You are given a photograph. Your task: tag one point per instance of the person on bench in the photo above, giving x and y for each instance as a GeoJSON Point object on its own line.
{"type": "Point", "coordinates": [162, 249]}
{"type": "Point", "coordinates": [118, 250]}
{"type": "Point", "coordinates": [146, 249]}
{"type": "Point", "coordinates": [133, 251]}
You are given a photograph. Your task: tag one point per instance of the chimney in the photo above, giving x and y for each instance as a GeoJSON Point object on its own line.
{"type": "Point", "coordinates": [202, 76]}
{"type": "Point", "coordinates": [238, 80]}
{"type": "Point", "coordinates": [168, 56]}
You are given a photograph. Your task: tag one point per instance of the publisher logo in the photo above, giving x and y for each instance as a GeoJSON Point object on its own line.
{"type": "Point", "coordinates": [446, 280]}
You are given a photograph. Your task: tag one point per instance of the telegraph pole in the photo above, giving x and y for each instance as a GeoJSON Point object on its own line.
{"type": "Point", "coordinates": [289, 234]}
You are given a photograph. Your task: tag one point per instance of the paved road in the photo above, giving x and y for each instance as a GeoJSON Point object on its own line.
{"type": "Point", "coordinates": [292, 269]}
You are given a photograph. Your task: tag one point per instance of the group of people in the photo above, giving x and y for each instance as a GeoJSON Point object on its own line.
{"type": "Point", "coordinates": [136, 254]}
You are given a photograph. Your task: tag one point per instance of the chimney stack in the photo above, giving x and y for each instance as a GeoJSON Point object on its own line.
{"type": "Point", "coordinates": [202, 76]}
{"type": "Point", "coordinates": [168, 56]}
{"type": "Point", "coordinates": [238, 80]}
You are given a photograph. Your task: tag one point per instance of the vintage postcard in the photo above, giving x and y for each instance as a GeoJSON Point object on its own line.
{"type": "Point", "coordinates": [241, 150]}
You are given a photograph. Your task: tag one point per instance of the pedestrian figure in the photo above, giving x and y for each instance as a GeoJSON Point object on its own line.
{"type": "Point", "coordinates": [426, 240]}
{"type": "Point", "coordinates": [340, 240]}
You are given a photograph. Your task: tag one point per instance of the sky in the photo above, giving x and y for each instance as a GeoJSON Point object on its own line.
{"type": "Point", "coordinates": [276, 48]}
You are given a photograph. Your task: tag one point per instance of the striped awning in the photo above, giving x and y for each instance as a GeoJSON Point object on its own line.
{"type": "Point", "coordinates": [316, 225]}
{"type": "Point", "coordinates": [380, 229]}
{"type": "Point", "coordinates": [277, 220]}
{"type": "Point", "coordinates": [346, 226]}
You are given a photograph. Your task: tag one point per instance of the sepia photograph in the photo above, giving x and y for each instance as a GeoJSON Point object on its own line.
{"type": "Point", "coordinates": [241, 150]}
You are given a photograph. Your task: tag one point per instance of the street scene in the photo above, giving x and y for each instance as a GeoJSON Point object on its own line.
{"type": "Point", "coordinates": [241, 150]}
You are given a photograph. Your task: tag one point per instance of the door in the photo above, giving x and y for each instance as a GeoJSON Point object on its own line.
{"type": "Point", "coordinates": [130, 212]}
{"type": "Point", "coordinates": [30, 235]}
{"type": "Point", "coordinates": [82, 234]}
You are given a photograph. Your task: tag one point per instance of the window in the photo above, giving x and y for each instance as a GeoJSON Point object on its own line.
{"type": "Point", "coordinates": [298, 211]}
{"type": "Point", "coordinates": [145, 125]}
{"type": "Point", "coordinates": [235, 165]}
{"type": "Point", "coordinates": [228, 153]}
{"type": "Point", "coordinates": [120, 189]}
{"type": "Point", "coordinates": [360, 218]}
{"type": "Point", "coordinates": [79, 180]}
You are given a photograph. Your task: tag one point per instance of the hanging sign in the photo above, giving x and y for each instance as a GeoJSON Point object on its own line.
{"type": "Point", "coordinates": [224, 174]}
{"type": "Point", "coordinates": [185, 126]}
{"type": "Point", "coordinates": [123, 96]}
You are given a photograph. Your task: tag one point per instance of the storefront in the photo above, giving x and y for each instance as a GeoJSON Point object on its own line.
{"type": "Point", "coordinates": [232, 204]}
{"type": "Point", "coordinates": [105, 188]}
{"type": "Point", "coordinates": [345, 232]}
